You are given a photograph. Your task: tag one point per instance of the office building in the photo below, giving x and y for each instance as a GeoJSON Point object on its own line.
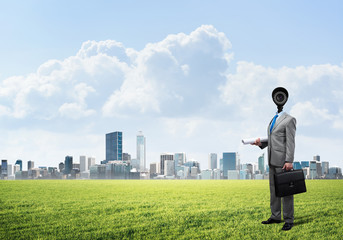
{"type": "Point", "coordinates": [83, 164]}
{"type": "Point", "coordinates": [117, 170]}
{"type": "Point", "coordinates": [61, 167]}
{"type": "Point", "coordinates": [114, 146]}
{"type": "Point", "coordinates": [325, 168]}
{"type": "Point", "coordinates": [126, 157]}
{"type": "Point", "coordinates": [206, 174]}
{"type": "Point", "coordinates": [135, 163]}
{"type": "Point", "coordinates": [313, 170]}
{"type": "Point", "coordinates": [68, 164]}
{"type": "Point", "coordinates": [258, 176]}
{"type": "Point", "coordinates": [9, 170]}
{"type": "Point", "coordinates": [335, 173]}
{"type": "Point", "coordinates": [97, 171]}
{"type": "Point", "coordinates": [190, 164]}
{"type": "Point", "coordinates": [250, 168]}
{"type": "Point", "coordinates": [76, 166]}
{"type": "Point", "coordinates": [233, 174]}
{"type": "Point", "coordinates": [228, 162]}
{"type": "Point", "coordinates": [306, 172]}
{"type": "Point", "coordinates": [4, 169]}
{"type": "Point", "coordinates": [183, 172]}
{"type": "Point", "coordinates": [261, 164]}
{"type": "Point", "coordinates": [238, 161]}
{"type": "Point", "coordinates": [179, 160]}
{"type": "Point", "coordinates": [212, 161]}
{"type": "Point", "coordinates": [296, 165]}
{"type": "Point", "coordinates": [20, 163]}
{"type": "Point", "coordinates": [169, 167]}
{"type": "Point", "coordinates": [16, 168]}
{"type": "Point", "coordinates": [153, 170]}
{"type": "Point", "coordinates": [164, 157]}
{"type": "Point", "coordinates": [243, 174]}
{"type": "Point", "coordinates": [316, 158]}
{"type": "Point", "coordinates": [30, 164]}
{"type": "Point", "coordinates": [319, 169]}
{"type": "Point", "coordinates": [141, 151]}
{"type": "Point", "coordinates": [216, 174]}
{"type": "Point", "coordinates": [194, 172]}
{"type": "Point", "coordinates": [305, 164]}
{"type": "Point", "coordinates": [91, 162]}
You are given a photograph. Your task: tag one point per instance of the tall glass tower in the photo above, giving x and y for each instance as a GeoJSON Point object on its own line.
{"type": "Point", "coordinates": [141, 151]}
{"type": "Point", "coordinates": [114, 146]}
{"type": "Point", "coordinates": [68, 164]}
{"type": "Point", "coordinates": [212, 161]}
{"type": "Point", "coordinates": [20, 163]}
{"type": "Point", "coordinates": [228, 162]}
{"type": "Point", "coordinates": [261, 163]}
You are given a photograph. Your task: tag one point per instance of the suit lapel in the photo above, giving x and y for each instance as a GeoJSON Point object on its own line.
{"type": "Point", "coordinates": [278, 121]}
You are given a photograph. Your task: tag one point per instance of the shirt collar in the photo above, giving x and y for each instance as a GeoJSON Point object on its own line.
{"type": "Point", "coordinates": [280, 114]}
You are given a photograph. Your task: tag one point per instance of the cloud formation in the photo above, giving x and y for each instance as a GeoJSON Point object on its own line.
{"type": "Point", "coordinates": [107, 78]}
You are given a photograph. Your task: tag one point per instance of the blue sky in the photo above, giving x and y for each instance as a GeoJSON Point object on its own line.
{"type": "Point", "coordinates": [194, 76]}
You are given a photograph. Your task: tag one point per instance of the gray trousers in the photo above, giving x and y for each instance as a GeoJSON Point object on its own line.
{"type": "Point", "coordinates": [275, 202]}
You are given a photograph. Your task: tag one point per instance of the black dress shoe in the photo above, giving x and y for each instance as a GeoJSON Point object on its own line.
{"type": "Point", "coordinates": [287, 226]}
{"type": "Point", "coordinates": [270, 221]}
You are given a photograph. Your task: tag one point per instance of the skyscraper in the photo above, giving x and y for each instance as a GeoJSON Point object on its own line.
{"type": "Point", "coordinates": [114, 146]}
{"type": "Point", "coordinates": [296, 165]}
{"type": "Point", "coordinates": [305, 164]}
{"type": "Point", "coordinates": [261, 163]}
{"type": "Point", "coordinates": [20, 163]}
{"type": "Point", "coordinates": [9, 170]}
{"type": "Point", "coordinates": [91, 162]}
{"type": "Point", "coordinates": [126, 157]}
{"type": "Point", "coordinates": [169, 167]}
{"type": "Point", "coordinates": [153, 168]}
{"type": "Point", "coordinates": [179, 160]}
{"type": "Point", "coordinates": [325, 168]}
{"type": "Point", "coordinates": [3, 169]}
{"type": "Point", "coordinates": [83, 164]}
{"type": "Point", "coordinates": [68, 164]}
{"type": "Point", "coordinates": [212, 161]}
{"type": "Point", "coordinates": [141, 151]}
{"type": "Point", "coordinates": [163, 157]}
{"type": "Point", "coordinates": [316, 158]}
{"type": "Point", "coordinates": [313, 169]}
{"type": "Point", "coordinates": [228, 162]}
{"type": "Point", "coordinates": [30, 164]}
{"type": "Point", "coordinates": [61, 166]}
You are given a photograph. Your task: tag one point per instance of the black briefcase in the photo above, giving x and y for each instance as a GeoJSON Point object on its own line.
{"type": "Point", "coordinates": [289, 183]}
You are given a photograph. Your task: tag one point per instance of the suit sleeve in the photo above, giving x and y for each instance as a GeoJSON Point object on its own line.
{"type": "Point", "coordinates": [264, 144]}
{"type": "Point", "coordinates": [290, 140]}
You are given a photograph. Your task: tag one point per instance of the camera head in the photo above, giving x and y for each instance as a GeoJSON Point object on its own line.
{"type": "Point", "coordinates": [280, 97]}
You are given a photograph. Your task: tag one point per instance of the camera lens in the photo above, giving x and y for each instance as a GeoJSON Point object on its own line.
{"type": "Point", "coordinates": [280, 97]}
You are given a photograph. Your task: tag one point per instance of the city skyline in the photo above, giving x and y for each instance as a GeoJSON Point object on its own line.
{"type": "Point", "coordinates": [195, 77]}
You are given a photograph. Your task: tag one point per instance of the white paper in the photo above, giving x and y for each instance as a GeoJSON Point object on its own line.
{"type": "Point", "coordinates": [252, 140]}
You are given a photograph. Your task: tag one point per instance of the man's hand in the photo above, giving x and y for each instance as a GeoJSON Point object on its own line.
{"type": "Point", "coordinates": [288, 166]}
{"type": "Point", "coordinates": [257, 142]}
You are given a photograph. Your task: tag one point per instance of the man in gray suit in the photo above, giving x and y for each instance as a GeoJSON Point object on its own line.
{"type": "Point", "coordinates": [281, 144]}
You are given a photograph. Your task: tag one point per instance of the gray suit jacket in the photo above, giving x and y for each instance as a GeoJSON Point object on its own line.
{"type": "Point", "coordinates": [281, 142]}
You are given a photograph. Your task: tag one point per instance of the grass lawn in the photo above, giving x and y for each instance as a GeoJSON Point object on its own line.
{"type": "Point", "coordinates": [182, 209]}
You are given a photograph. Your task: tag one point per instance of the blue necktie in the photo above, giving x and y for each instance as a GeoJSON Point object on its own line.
{"type": "Point", "coordinates": [273, 122]}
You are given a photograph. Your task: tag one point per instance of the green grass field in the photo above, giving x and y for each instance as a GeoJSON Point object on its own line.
{"type": "Point", "coordinates": [184, 209]}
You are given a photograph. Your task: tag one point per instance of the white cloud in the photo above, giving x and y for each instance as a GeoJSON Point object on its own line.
{"type": "Point", "coordinates": [158, 79]}
{"type": "Point", "coordinates": [307, 114]}
{"type": "Point", "coordinates": [163, 75]}
{"type": "Point", "coordinates": [313, 91]}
